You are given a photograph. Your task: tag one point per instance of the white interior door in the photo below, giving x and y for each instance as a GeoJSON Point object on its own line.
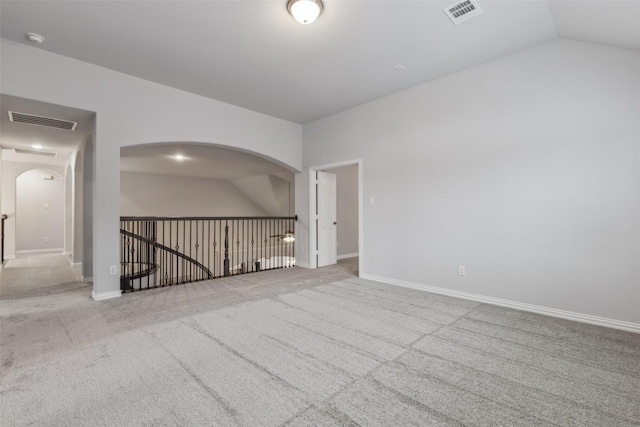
{"type": "Point", "coordinates": [327, 219]}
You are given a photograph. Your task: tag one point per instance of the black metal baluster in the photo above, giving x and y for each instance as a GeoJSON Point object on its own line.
{"type": "Point", "coordinates": [279, 243]}
{"type": "Point", "coordinates": [209, 247]}
{"type": "Point", "coordinates": [243, 255]}
{"type": "Point", "coordinates": [215, 246]}
{"type": "Point", "coordinates": [253, 254]}
{"type": "Point", "coordinates": [260, 232]}
{"type": "Point", "coordinates": [226, 250]}
{"type": "Point", "coordinates": [267, 242]}
{"type": "Point", "coordinates": [146, 252]}
{"type": "Point", "coordinates": [237, 240]}
{"type": "Point", "coordinates": [292, 249]}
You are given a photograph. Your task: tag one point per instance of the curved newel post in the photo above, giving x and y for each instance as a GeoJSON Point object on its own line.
{"type": "Point", "coordinates": [227, 271]}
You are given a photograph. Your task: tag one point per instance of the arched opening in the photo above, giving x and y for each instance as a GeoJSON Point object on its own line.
{"type": "Point", "coordinates": [194, 212]}
{"type": "Point", "coordinates": [40, 212]}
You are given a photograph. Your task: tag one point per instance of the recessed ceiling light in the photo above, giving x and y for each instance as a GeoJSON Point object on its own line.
{"type": "Point", "coordinates": [35, 38]}
{"type": "Point", "coordinates": [178, 157]}
{"type": "Point", "coordinates": [37, 146]}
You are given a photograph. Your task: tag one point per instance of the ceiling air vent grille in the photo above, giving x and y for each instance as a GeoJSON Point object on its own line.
{"type": "Point", "coordinates": [49, 122]}
{"type": "Point", "coordinates": [35, 152]}
{"type": "Point", "coordinates": [462, 11]}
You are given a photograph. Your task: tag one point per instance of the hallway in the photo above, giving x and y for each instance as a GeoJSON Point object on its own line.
{"type": "Point", "coordinates": [39, 275]}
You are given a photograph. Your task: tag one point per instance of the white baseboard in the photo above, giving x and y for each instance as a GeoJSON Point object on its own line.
{"type": "Point", "coordinates": [75, 264]}
{"type": "Point", "coordinates": [348, 256]}
{"type": "Point", "coordinates": [86, 279]}
{"type": "Point", "coordinates": [40, 251]}
{"type": "Point", "coordinates": [106, 295]}
{"type": "Point", "coordinates": [569, 315]}
{"type": "Point", "coordinates": [68, 253]}
{"type": "Point", "coordinates": [6, 257]}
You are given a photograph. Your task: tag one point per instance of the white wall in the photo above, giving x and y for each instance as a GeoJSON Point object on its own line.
{"type": "Point", "coordinates": [76, 162]}
{"type": "Point", "coordinates": [347, 208]}
{"type": "Point", "coordinates": [1, 210]}
{"type": "Point", "coordinates": [39, 212]}
{"type": "Point", "coordinates": [526, 170]}
{"type": "Point", "coordinates": [88, 206]}
{"type": "Point", "coordinates": [1, 206]}
{"type": "Point", "coordinates": [271, 193]}
{"type": "Point", "coordinates": [68, 210]}
{"type": "Point", "coordinates": [10, 173]}
{"type": "Point", "coordinates": [131, 111]}
{"type": "Point", "coordinates": [143, 194]}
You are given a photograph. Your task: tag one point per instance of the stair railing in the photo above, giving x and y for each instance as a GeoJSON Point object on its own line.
{"type": "Point", "coordinates": [165, 251]}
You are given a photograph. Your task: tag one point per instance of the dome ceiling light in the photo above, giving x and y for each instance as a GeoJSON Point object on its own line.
{"type": "Point", "coordinates": [35, 38]}
{"type": "Point", "coordinates": [305, 11]}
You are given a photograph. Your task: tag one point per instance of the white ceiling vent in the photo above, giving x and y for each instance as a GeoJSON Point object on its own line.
{"type": "Point", "coordinates": [35, 152]}
{"type": "Point", "coordinates": [462, 11]}
{"type": "Point", "coordinates": [30, 119]}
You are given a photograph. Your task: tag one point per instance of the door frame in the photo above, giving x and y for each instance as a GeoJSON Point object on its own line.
{"type": "Point", "coordinates": [313, 232]}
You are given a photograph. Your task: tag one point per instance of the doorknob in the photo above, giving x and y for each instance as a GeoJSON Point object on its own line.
{"type": "Point", "coordinates": [335, 223]}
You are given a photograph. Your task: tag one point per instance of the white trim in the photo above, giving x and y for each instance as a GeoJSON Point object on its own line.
{"type": "Point", "coordinates": [313, 252]}
{"type": "Point", "coordinates": [105, 295]}
{"type": "Point", "coordinates": [345, 256]}
{"type": "Point", "coordinates": [302, 264]}
{"type": "Point", "coordinates": [6, 257]}
{"type": "Point", "coordinates": [547, 311]}
{"type": "Point", "coordinates": [86, 279]}
{"type": "Point", "coordinates": [75, 264]}
{"type": "Point", "coordinates": [67, 253]}
{"type": "Point", "coordinates": [313, 260]}
{"type": "Point", "coordinates": [40, 251]}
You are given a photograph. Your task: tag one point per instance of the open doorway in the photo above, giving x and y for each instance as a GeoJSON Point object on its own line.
{"type": "Point", "coordinates": [339, 235]}
{"type": "Point", "coordinates": [40, 212]}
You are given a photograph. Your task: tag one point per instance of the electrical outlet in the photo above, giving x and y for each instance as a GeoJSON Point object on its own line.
{"type": "Point", "coordinates": [113, 270]}
{"type": "Point", "coordinates": [462, 270]}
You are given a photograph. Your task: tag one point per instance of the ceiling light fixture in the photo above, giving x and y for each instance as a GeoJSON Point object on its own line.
{"type": "Point", "coordinates": [178, 157]}
{"type": "Point", "coordinates": [35, 38]}
{"type": "Point", "coordinates": [305, 11]}
{"type": "Point", "coordinates": [37, 146]}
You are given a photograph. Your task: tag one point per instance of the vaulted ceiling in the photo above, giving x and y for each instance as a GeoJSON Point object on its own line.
{"type": "Point", "coordinates": [253, 54]}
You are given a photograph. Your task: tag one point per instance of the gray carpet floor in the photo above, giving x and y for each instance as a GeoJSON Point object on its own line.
{"type": "Point", "coordinates": [298, 347]}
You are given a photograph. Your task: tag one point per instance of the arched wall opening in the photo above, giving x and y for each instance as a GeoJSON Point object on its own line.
{"type": "Point", "coordinates": [40, 212]}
